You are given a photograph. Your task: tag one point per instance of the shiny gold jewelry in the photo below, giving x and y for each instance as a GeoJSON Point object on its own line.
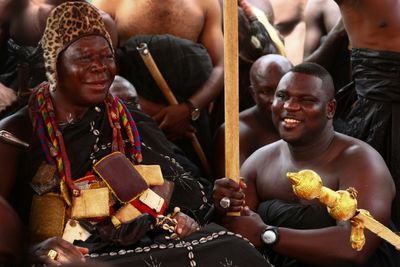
{"type": "Point", "coordinates": [52, 254]}
{"type": "Point", "coordinates": [341, 205]}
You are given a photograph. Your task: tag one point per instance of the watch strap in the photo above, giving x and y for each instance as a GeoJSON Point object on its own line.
{"type": "Point", "coordinates": [192, 110]}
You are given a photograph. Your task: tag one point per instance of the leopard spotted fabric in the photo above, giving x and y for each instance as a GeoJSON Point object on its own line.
{"type": "Point", "coordinates": [65, 24]}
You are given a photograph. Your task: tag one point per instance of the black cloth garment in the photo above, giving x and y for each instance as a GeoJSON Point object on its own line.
{"type": "Point", "coordinates": [315, 216]}
{"type": "Point", "coordinates": [22, 67]}
{"type": "Point", "coordinates": [185, 65]}
{"type": "Point", "coordinates": [191, 192]}
{"type": "Point", "coordinates": [18, 55]}
{"type": "Point", "coordinates": [211, 246]}
{"type": "Point", "coordinates": [375, 116]}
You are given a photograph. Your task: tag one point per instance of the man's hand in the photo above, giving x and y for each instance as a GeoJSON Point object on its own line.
{"type": "Point", "coordinates": [61, 250]}
{"type": "Point", "coordinates": [186, 225]}
{"type": "Point", "coordinates": [7, 97]}
{"type": "Point", "coordinates": [249, 225]}
{"type": "Point", "coordinates": [174, 122]}
{"type": "Point", "coordinates": [227, 188]}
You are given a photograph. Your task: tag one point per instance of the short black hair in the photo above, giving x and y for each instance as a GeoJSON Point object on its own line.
{"type": "Point", "coordinates": [317, 70]}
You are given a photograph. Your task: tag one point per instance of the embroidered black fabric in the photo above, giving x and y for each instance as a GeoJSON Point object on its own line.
{"type": "Point", "coordinates": [211, 246]}
{"type": "Point", "coordinates": [191, 192]}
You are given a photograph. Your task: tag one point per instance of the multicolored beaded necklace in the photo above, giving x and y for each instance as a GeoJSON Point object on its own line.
{"type": "Point", "coordinates": [52, 142]}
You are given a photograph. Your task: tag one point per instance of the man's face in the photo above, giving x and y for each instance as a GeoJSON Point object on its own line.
{"type": "Point", "coordinates": [301, 108]}
{"type": "Point", "coordinates": [85, 71]}
{"type": "Point", "coordinates": [263, 90]}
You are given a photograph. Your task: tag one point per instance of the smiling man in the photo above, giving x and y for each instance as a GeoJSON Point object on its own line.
{"type": "Point", "coordinates": [301, 233]}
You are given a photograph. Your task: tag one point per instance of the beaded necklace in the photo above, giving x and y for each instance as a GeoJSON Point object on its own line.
{"type": "Point", "coordinates": [52, 142]}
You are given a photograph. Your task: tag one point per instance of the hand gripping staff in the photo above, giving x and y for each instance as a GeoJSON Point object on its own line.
{"type": "Point", "coordinates": [169, 95]}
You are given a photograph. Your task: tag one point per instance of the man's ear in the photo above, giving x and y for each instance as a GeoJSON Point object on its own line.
{"type": "Point", "coordinates": [330, 109]}
{"type": "Point", "coordinates": [252, 93]}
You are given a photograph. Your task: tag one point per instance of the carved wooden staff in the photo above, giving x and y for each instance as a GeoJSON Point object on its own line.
{"type": "Point", "coordinates": [231, 70]}
{"type": "Point", "coordinates": [169, 95]}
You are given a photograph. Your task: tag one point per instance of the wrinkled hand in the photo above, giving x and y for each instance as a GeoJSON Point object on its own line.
{"type": "Point", "coordinates": [249, 225]}
{"type": "Point", "coordinates": [7, 97]}
{"type": "Point", "coordinates": [226, 187]}
{"type": "Point", "coordinates": [186, 225]}
{"type": "Point", "coordinates": [174, 122]}
{"type": "Point", "coordinates": [66, 252]}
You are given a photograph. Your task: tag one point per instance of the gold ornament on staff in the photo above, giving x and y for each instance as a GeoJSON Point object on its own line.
{"type": "Point", "coordinates": [341, 205]}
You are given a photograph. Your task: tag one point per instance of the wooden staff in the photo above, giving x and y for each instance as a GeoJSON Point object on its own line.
{"type": "Point", "coordinates": [231, 70]}
{"type": "Point", "coordinates": [169, 95]}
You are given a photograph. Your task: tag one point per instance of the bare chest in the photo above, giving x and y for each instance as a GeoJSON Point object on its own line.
{"type": "Point", "coordinates": [182, 18]}
{"type": "Point", "coordinates": [275, 184]}
{"type": "Point", "coordinates": [373, 24]}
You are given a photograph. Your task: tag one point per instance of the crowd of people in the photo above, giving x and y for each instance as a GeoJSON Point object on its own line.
{"type": "Point", "coordinates": [97, 168]}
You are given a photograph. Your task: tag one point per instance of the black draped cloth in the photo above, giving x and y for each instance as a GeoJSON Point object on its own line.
{"type": "Point", "coordinates": [185, 65]}
{"type": "Point", "coordinates": [22, 67]}
{"type": "Point", "coordinates": [375, 115]}
{"type": "Point", "coordinates": [211, 246]}
{"type": "Point", "coordinates": [304, 216]}
{"type": "Point", "coordinates": [191, 192]}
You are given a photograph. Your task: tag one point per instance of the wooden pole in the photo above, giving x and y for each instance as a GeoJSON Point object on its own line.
{"type": "Point", "coordinates": [169, 95]}
{"type": "Point", "coordinates": [231, 70]}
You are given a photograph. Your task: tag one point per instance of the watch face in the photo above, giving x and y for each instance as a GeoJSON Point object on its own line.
{"type": "Point", "coordinates": [195, 114]}
{"type": "Point", "coordinates": [269, 237]}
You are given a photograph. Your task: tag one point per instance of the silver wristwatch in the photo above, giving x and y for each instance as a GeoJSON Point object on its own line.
{"type": "Point", "coordinates": [270, 235]}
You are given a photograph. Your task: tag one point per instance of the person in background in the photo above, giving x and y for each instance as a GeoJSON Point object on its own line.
{"type": "Point", "coordinates": [255, 124]}
{"type": "Point", "coordinates": [374, 33]}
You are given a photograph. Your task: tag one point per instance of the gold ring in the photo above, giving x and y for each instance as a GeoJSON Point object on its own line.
{"type": "Point", "coordinates": [52, 254]}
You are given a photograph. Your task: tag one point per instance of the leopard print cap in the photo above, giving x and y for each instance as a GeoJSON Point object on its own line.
{"type": "Point", "coordinates": [67, 23]}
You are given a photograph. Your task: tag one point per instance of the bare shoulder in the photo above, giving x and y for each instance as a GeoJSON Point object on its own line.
{"type": "Point", "coordinates": [208, 4]}
{"type": "Point", "coordinates": [357, 158]}
{"type": "Point", "coordinates": [314, 8]}
{"type": "Point", "coordinates": [263, 156]}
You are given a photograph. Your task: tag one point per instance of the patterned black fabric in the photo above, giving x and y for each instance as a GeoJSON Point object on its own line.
{"type": "Point", "coordinates": [191, 192]}
{"type": "Point", "coordinates": [375, 116]}
{"type": "Point", "coordinates": [212, 246]}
